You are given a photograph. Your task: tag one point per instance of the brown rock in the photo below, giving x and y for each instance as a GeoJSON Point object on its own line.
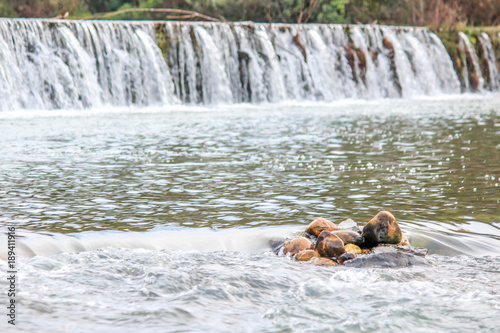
{"type": "Point", "coordinates": [362, 60]}
{"type": "Point", "coordinates": [320, 224]}
{"type": "Point", "coordinates": [306, 255]}
{"type": "Point", "coordinates": [404, 240]}
{"type": "Point", "coordinates": [388, 45]}
{"type": "Point", "coordinates": [473, 82]}
{"type": "Point", "coordinates": [383, 228]}
{"type": "Point", "coordinates": [329, 245]}
{"type": "Point", "coordinates": [348, 236]}
{"type": "Point", "coordinates": [323, 262]}
{"type": "Point", "coordinates": [351, 248]}
{"type": "Point", "coordinates": [297, 244]}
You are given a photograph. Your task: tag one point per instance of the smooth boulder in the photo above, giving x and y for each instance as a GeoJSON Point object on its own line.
{"type": "Point", "coordinates": [349, 236]}
{"type": "Point", "coordinates": [323, 262]}
{"type": "Point", "coordinates": [320, 224]}
{"type": "Point", "coordinates": [383, 228]}
{"type": "Point", "coordinates": [352, 248]}
{"type": "Point", "coordinates": [294, 246]}
{"type": "Point", "coordinates": [306, 255]}
{"type": "Point", "coordinates": [329, 245]}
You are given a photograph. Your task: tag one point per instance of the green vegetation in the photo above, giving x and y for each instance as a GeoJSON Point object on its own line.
{"type": "Point", "coordinates": [437, 14]}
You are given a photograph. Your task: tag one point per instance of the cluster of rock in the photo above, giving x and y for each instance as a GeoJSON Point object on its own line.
{"type": "Point", "coordinates": [380, 243]}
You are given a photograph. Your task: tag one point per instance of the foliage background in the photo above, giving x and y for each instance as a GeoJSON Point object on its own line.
{"type": "Point", "coordinates": [437, 14]}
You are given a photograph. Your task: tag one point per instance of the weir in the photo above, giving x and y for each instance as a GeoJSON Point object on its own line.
{"type": "Point", "coordinates": [64, 64]}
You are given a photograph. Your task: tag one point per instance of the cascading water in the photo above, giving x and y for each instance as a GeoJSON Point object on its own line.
{"type": "Point", "coordinates": [471, 72]}
{"type": "Point", "coordinates": [48, 64]}
{"type": "Point", "coordinates": [493, 76]}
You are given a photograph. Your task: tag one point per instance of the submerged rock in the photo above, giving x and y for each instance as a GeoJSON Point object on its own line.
{"type": "Point", "coordinates": [297, 244]}
{"type": "Point", "coordinates": [349, 236]}
{"type": "Point", "coordinates": [387, 260]}
{"type": "Point", "coordinates": [329, 245]}
{"type": "Point", "coordinates": [306, 255]}
{"type": "Point", "coordinates": [320, 224]}
{"type": "Point", "coordinates": [323, 262]}
{"type": "Point", "coordinates": [383, 228]}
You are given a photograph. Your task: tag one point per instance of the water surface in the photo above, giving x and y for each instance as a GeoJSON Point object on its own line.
{"type": "Point", "coordinates": [159, 219]}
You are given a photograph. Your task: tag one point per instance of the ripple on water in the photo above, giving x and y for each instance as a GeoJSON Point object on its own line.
{"type": "Point", "coordinates": [126, 289]}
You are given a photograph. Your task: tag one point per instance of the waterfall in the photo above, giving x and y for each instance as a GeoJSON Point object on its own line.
{"type": "Point", "coordinates": [471, 73]}
{"type": "Point", "coordinates": [64, 64]}
{"type": "Point", "coordinates": [492, 73]}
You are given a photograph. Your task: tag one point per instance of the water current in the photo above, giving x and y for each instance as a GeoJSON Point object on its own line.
{"type": "Point", "coordinates": [159, 219]}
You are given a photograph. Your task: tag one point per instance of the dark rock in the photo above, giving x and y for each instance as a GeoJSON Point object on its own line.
{"type": "Point", "coordinates": [346, 256]}
{"type": "Point", "coordinates": [329, 245]}
{"type": "Point", "coordinates": [277, 245]}
{"type": "Point", "coordinates": [387, 260]}
{"type": "Point", "coordinates": [383, 228]}
{"type": "Point", "coordinates": [348, 236]}
{"type": "Point", "coordinates": [320, 224]}
{"type": "Point", "coordinates": [386, 248]}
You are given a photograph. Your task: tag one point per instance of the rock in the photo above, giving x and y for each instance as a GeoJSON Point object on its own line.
{"type": "Point", "coordinates": [387, 260]}
{"type": "Point", "coordinates": [346, 256]}
{"type": "Point", "coordinates": [348, 224]}
{"type": "Point", "coordinates": [276, 245]}
{"type": "Point", "coordinates": [473, 82]}
{"type": "Point", "coordinates": [320, 224]}
{"type": "Point", "coordinates": [306, 255]}
{"type": "Point", "coordinates": [383, 228]}
{"type": "Point", "coordinates": [351, 248]}
{"type": "Point", "coordinates": [329, 245]}
{"type": "Point", "coordinates": [348, 236]}
{"type": "Point", "coordinates": [323, 262]}
{"type": "Point", "coordinates": [362, 61]}
{"type": "Point", "coordinates": [297, 244]}
{"type": "Point", "coordinates": [388, 45]}
{"type": "Point", "coordinates": [385, 248]}
{"type": "Point", "coordinates": [404, 240]}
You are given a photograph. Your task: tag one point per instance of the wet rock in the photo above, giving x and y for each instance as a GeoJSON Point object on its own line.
{"type": "Point", "coordinates": [320, 224]}
{"type": "Point", "coordinates": [351, 248]}
{"type": "Point", "coordinates": [362, 61]}
{"type": "Point", "coordinates": [329, 245]}
{"type": "Point", "coordinates": [294, 246]}
{"type": "Point", "coordinates": [277, 245]}
{"type": "Point", "coordinates": [387, 260]}
{"type": "Point", "coordinates": [300, 45]}
{"type": "Point", "coordinates": [349, 224]}
{"type": "Point", "coordinates": [388, 45]}
{"type": "Point", "coordinates": [473, 82]}
{"type": "Point", "coordinates": [349, 236]}
{"type": "Point", "coordinates": [386, 248]}
{"type": "Point", "coordinates": [323, 262]}
{"type": "Point", "coordinates": [404, 240]}
{"type": "Point", "coordinates": [306, 255]}
{"type": "Point", "coordinates": [383, 228]}
{"type": "Point", "coordinates": [345, 257]}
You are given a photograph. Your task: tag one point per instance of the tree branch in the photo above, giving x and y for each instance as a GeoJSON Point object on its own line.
{"type": "Point", "coordinates": [187, 14]}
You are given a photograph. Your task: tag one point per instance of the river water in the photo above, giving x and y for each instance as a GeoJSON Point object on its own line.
{"type": "Point", "coordinates": [159, 219]}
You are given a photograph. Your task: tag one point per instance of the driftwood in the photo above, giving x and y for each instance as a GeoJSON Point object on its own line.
{"type": "Point", "coordinates": [183, 14]}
